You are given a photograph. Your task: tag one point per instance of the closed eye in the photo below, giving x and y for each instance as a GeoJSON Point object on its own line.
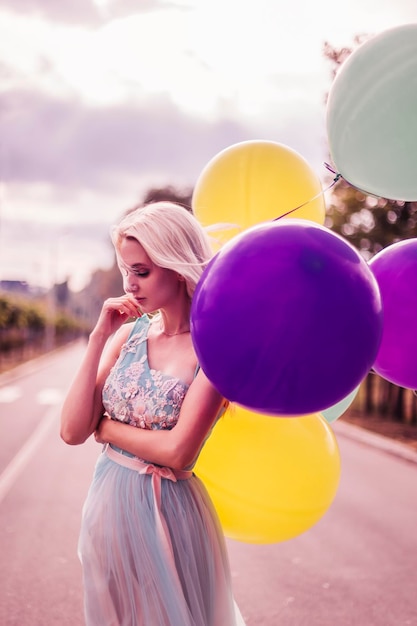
{"type": "Point", "coordinates": [141, 273]}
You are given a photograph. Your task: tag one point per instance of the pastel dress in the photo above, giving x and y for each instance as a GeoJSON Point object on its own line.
{"type": "Point", "coordinates": [151, 546]}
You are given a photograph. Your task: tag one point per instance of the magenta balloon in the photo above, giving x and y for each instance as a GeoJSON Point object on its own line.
{"type": "Point", "coordinates": [286, 319]}
{"type": "Point", "coordinates": [395, 269]}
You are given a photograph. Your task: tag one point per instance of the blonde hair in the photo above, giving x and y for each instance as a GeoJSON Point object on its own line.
{"type": "Point", "coordinates": [171, 236]}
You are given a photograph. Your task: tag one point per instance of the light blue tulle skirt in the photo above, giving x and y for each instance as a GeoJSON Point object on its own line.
{"type": "Point", "coordinates": [152, 550]}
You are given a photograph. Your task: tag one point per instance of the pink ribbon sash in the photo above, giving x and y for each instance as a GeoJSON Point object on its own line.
{"type": "Point", "coordinates": [158, 473]}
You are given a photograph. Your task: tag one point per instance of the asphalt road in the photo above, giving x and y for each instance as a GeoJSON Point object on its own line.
{"type": "Point", "coordinates": [356, 567]}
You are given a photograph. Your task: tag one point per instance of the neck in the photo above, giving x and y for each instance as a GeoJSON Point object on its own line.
{"type": "Point", "coordinates": [180, 331]}
{"type": "Point", "coordinates": [175, 320]}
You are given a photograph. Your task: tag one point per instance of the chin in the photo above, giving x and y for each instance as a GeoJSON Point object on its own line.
{"type": "Point", "coordinates": [146, 309]}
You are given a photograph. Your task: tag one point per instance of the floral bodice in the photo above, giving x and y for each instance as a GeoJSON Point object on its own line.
{"type": "Point", "coordinates": [138, 395]}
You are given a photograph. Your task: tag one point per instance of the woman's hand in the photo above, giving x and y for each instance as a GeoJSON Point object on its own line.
{"type": "Point", "coordinates": [115, 312]}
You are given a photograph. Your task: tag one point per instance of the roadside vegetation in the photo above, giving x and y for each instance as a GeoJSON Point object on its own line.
{"type": "Point", "coordinates": [28, 329]}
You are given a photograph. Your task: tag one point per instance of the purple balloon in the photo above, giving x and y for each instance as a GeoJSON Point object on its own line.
{"type": "Point", "coordinates": [395, 269]}
{"type": "Point", "coordinates": [286, 319]}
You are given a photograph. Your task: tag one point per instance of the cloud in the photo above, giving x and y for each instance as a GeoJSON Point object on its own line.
{"type": "Point", "coordinates": [76, 12]}
{"type": "Point", "coordinates": [65, 142]}
{"type": "Point", "coordinates": [125, 8]}
{"type": "Point", "coordinates": [86, 13]}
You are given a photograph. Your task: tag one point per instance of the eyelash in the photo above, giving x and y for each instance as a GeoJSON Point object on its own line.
{"type": "Point", "coordinates": [140, 273]}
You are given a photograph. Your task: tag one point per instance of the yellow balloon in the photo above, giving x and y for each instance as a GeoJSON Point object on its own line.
{"type": "Point", "coordinates": [270, 478]}
{"type": "Point", "coordinates": [253, 182]}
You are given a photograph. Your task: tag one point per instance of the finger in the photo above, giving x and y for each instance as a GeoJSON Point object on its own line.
{"type": "Point", "coordinates": [129, 311]}
{"type": "Point", "coordinates": [130, 308]}
{"type": "Point", "coordinates": [132, 302]}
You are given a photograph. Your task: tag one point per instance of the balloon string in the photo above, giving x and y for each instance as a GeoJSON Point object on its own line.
{"type": "Point", "coordinates": [336, 178]}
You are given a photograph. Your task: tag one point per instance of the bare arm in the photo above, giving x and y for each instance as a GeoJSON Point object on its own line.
{"type": "Point", "coordinates": [176, 448]}
{"type": "Point", "coordinates": [82, 408]}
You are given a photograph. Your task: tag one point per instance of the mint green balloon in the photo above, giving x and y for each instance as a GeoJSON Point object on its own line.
{"type": "Point", "coordinates": [372, 115]}
{"type": "Point", "coordinates": [334, 412]}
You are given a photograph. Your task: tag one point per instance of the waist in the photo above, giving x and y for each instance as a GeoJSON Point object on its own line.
{"type": "Point", "coordinates": [122, 457]}
{"type": "Point", "coordinates": [119, 450]}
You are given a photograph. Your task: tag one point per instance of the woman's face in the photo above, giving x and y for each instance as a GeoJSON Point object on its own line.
{"type": "Point", "coordinates": [152, 287]}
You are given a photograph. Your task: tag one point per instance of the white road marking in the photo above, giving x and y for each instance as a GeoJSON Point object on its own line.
{"type": "Point", "coordinates": [10, 393]}
{"type": "Point", "coordinates": [49, 396]}
{"type": "Point", "coordinates": [16, 466]}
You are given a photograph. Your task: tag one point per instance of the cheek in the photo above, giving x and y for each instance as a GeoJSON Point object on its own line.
{"type": "Point", "coordinates": [172, 286]}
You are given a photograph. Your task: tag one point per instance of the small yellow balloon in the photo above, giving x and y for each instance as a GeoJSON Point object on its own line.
{"type": "Point", "coordinates": [270, 478]}
{"type": "Point", "coordinates": [253, 182]}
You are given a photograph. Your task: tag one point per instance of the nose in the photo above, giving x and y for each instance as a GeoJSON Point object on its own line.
{"type": "Point", "coordinates": [130, 283]}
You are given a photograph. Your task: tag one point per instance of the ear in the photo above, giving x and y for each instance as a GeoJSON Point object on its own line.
{"type": "Point", "coordinates": [180, 278]}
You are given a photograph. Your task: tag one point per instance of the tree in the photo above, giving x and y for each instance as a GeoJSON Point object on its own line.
{"type": "Point", "coordinates": [170, 194]}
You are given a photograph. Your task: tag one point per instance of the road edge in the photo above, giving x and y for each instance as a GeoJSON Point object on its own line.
{"type": "Point", "coordinates": [385, 444]}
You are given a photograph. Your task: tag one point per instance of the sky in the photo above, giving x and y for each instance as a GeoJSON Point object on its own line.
{"type": "Point", "coordinates": [102, 99]}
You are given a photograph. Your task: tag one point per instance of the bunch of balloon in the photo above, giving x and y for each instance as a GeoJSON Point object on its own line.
{"type": "Point", "coordinates": [270, 478]}
{"type": "Point", "coordinates": [254, 181]}
{"type": "Point", "coordinates": [371, 115]}
{"type": "Point", "coordinates": [395, 270]}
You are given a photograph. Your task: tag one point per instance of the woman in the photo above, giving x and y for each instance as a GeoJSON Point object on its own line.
{"type": "Point", "coordinates": [151, 545]}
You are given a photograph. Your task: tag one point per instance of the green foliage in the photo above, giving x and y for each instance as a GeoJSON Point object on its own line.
{"type": "Point", "coordinates": [66, 325]}
{"type": "Point", "coordinates": [169, 194]}
{"type": "Point", "coordinates": [367, 222]}
{"type": "Point", "coordinates": [25, 322]}
{"type": "Point", "coordinates": [20, 314]}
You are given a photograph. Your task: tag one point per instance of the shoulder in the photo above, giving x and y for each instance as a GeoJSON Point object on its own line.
{"type": "Point", "coordinates": [124, 332]}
